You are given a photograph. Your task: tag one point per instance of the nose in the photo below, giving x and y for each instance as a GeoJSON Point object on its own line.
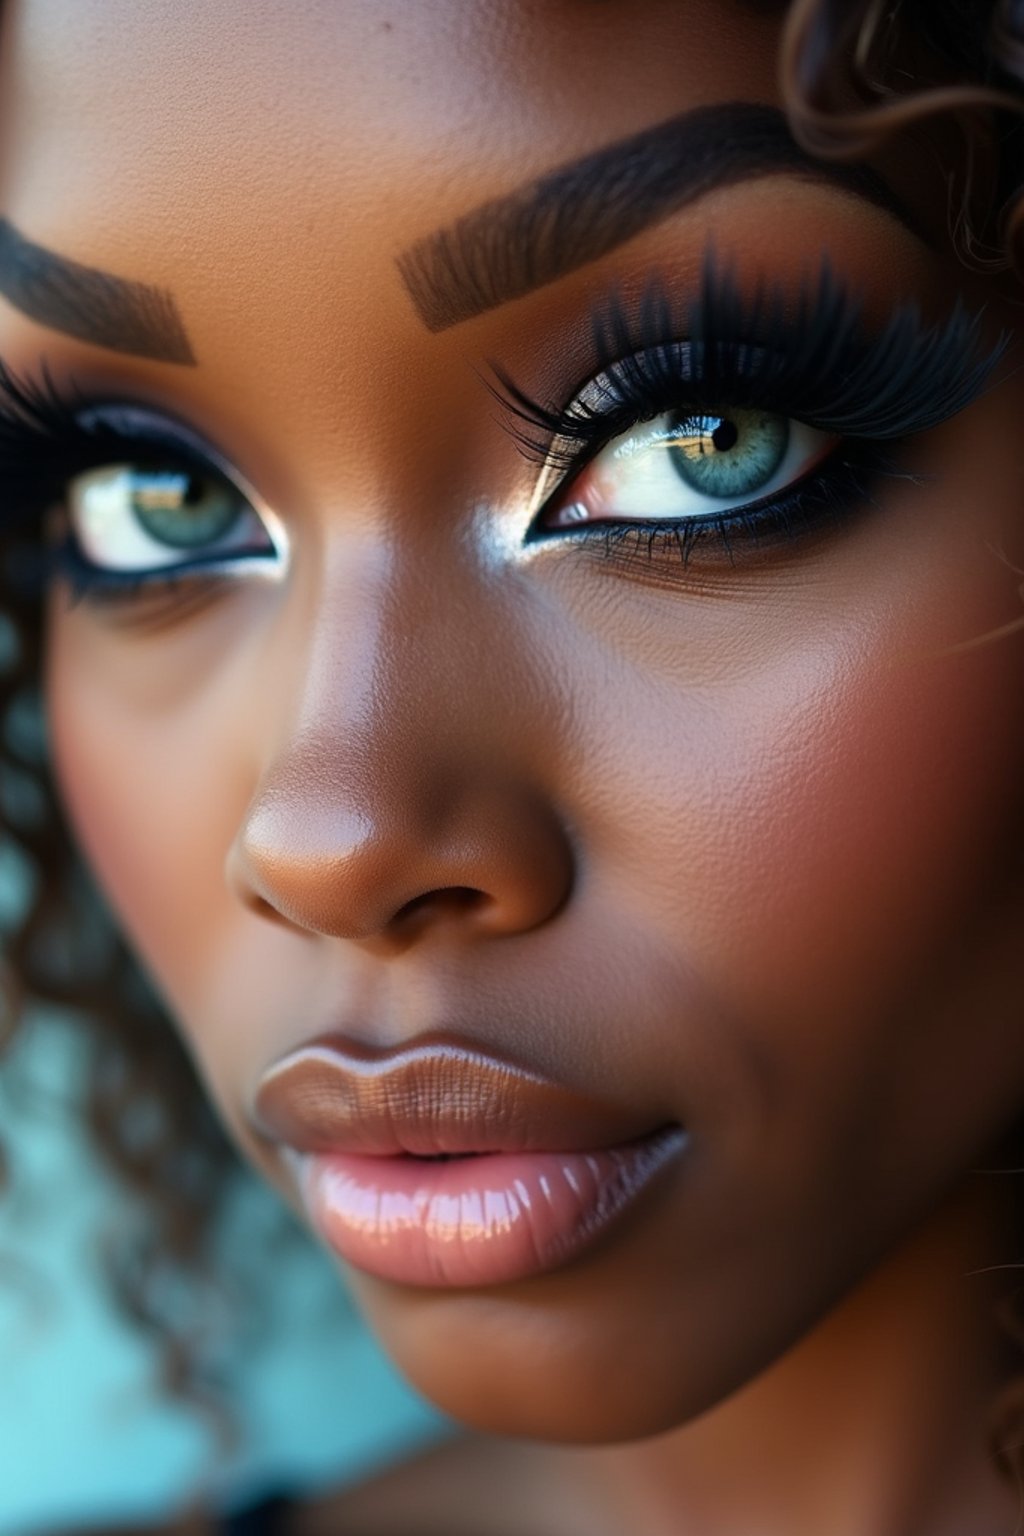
{"type": "Point", "coordinates": [363, 855]}
{"type": "Point", "coordinates": [405, 806]}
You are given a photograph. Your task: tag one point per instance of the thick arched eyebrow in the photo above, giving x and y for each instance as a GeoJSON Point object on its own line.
{"type": "Point", "coordinates": [90, 304]}
{"type": "Point", "coordinates": [580, 211]}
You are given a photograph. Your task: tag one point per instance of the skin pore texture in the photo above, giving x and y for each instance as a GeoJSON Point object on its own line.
{"type": "Point", "coordinates": [734, 845]}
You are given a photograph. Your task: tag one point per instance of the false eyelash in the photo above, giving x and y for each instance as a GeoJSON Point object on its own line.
{"type": "Point", "coordinates": [816, 360]}
{"type": "Point", "coordinates": [42, 440]}
{"type": "Point", "coordinates": [49, 434]}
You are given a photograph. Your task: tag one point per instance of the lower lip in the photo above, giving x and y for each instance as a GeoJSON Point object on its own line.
{"type": "Point", "coordinates": [476, 1221]}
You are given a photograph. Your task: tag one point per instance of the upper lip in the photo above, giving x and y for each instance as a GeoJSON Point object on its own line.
{"type": "Point", "coordinates": [431, 1097]}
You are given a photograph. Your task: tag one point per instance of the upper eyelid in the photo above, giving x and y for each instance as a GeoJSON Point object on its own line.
{"type": "Point", "coordinates": [820, 319]}
{"type": "Point", "coordinates": [583, 417]}
{"type": "Point", "coordinates": [953, 347]}
{"type": "Point", "coordinates": [139, 424]}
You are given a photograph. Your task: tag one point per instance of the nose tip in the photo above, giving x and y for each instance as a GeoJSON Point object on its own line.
{"type": "Point", "coordinates": [495, 864]}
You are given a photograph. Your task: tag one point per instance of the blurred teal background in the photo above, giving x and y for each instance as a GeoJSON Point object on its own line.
{"type": "Point", "coordinates": [85, 1436]}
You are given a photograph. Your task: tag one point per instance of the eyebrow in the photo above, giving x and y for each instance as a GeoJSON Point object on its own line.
{"type": "Point", "coordinates": [570, 216]}
{"type": "Point", "coordinates": [90, 304]}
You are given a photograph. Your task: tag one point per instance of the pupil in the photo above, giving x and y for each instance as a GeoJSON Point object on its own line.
{"type": "Point", "coordinates": [725, 436]}
{"type": "Point", "coordinates": [193, 491]}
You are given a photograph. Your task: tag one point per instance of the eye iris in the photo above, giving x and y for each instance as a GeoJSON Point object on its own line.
{"type": "Point", "coordinates": [181, 509]}
{"type": "Point", "coordinates": [728, 453]}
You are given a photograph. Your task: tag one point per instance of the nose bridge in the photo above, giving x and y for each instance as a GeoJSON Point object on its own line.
{"type": "Point", "coordinates": [400, 789]}
{"type": "Point", "coordinates": [395, 694]}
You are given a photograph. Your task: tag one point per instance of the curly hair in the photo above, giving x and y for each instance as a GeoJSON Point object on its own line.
{"type": "Point", "coordinates": [853, 74]}
{"type": "Point", "coordinates": [143, 1109]}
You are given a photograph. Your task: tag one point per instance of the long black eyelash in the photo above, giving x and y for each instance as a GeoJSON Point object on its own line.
{"type": "Point", "coordinates": [48, 434]}
{"type": "Point", "coordinates": [44, 439]}
{"type": "Point", "coordinates": [817, 360]}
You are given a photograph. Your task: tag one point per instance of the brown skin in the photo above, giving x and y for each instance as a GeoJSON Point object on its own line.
{"type": "Point", "coordinates": [750, 834]}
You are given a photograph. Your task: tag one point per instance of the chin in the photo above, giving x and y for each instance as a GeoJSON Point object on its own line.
{"type": "Point", "coordinates": [573, 1359]}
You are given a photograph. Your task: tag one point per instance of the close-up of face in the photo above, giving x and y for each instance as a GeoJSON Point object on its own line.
{"type": "Point", "coordinates": [533, 657]}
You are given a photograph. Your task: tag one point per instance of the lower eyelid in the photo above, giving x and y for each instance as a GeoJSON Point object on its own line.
{"type": "Point", "coordinates": [153, 606]}
{"type": "Point", "coordinates": [106, 584]}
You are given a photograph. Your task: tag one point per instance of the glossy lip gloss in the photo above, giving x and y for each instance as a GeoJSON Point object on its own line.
{"type": "Point", "coordinates": [440, 1166]}
{"type": "Point", "coordinates": [479, 1220]}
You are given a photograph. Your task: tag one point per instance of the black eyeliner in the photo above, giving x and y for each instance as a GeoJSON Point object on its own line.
{"type": "Point", "coordinates": [824, 500]}
{"type": "Point", "coordinates": [51, 433]}
{"type": "Point", "coordinates": [811, 357]}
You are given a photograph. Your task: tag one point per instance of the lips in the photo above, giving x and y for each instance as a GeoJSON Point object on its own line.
{"type": "Point", "coordinates": [440, 1165]}
{"type": "Point", "coordinates": [433, 1099]}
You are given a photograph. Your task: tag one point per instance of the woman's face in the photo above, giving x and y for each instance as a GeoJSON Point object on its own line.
{"type": "Point", "coordinates": [728, 842]}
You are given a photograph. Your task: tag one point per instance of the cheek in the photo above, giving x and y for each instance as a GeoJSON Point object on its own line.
{"type": "Point", "coordinates": [153, 773]}
{"type": "Point", "coordinates": [826, 821]}
{"type": "Point", "coordinates": [877, 822]}
{"type": "Point", "coordinates": [801, 793]}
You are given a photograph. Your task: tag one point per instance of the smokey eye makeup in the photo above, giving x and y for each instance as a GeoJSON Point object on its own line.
{"type": "Point", "coordinates": [127, 500]}
{"type": "Point", "coordinates": [735, 421]}
{"type": "Point", "coordinates": [723, 423]}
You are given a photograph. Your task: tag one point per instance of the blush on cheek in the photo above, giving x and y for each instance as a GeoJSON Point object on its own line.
{"type": "Point", "coordinates": [889, 832]}
{"type": "Point", "coordinates": [875, 866]}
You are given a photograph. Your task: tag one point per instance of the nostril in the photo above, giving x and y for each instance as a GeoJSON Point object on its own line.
{"type": "Point", "coordinates": [446, 901]}
{"type": "Point", "coordinates": [266, 909]}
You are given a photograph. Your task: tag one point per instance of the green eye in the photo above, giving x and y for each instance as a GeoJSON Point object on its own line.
{"type": "Point", "coordinates": [728, 453]}
{"type": "Point", "coordinates": [179, 508]}
{"type": "Point", "coordinates": [137, 517]}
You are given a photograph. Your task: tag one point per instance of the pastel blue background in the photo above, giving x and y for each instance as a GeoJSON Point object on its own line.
{"type": "Point", "coordinates": [85, 1436]}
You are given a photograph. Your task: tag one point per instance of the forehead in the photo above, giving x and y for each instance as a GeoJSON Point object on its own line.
{"type": "Point", "coordinates": [201, 117]}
